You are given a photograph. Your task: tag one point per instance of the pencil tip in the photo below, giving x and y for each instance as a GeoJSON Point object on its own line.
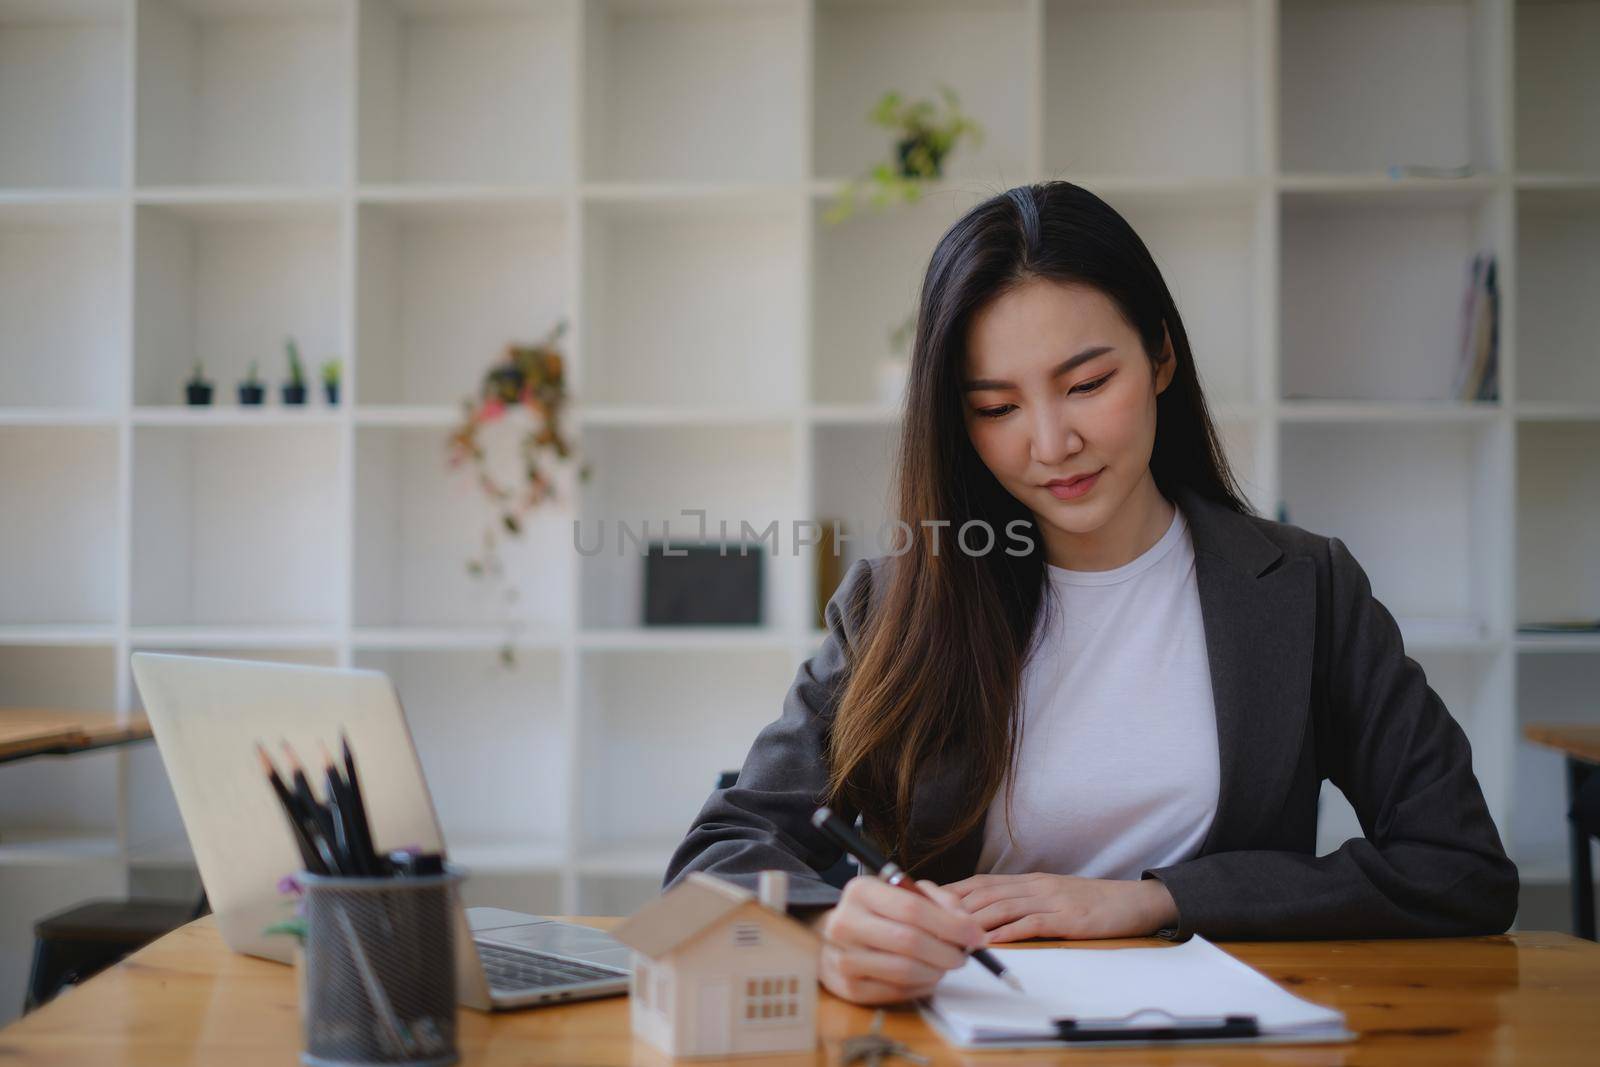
{"type": "Point", "coordinates": [1013, 981]}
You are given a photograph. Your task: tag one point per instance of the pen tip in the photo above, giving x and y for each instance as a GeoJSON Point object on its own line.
{"type": "Point", "coordinates": [1013, 981]}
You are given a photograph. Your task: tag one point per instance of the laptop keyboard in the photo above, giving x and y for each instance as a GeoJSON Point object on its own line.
{"type": "Point", "coordinates": [513, 969]}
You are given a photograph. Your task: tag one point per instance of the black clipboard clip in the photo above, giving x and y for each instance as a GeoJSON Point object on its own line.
{"type": "Point", "coordinates": [1232, 1026]}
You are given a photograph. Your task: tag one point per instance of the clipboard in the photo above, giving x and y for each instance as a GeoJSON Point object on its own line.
{"type": "Point", "coordinates": [1187, 994]}
{"type": "Point", "coordinates": [1241, 1030]}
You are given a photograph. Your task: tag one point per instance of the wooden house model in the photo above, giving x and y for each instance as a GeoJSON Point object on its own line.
{"type": "Point", "coordinates": [721, 971]}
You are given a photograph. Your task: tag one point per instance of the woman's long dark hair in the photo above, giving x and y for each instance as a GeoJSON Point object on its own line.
{"type": "Point", "coordinates": [932, 694]}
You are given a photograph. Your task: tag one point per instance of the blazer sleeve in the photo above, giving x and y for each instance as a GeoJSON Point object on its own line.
{"type": "Point", "coordinates": [763, 821]}
{"type": "Point", "coordinates": [1431, 863]}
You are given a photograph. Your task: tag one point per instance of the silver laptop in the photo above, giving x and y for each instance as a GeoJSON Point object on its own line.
{"type": "Point", "coordinates": [208, 714]}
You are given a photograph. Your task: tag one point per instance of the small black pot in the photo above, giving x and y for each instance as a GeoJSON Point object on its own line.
{"type": "Point", "coordinates": [251, 395]}
{"type": "Point", "coordinates": [903, 149]}
{"type": "Point", "coordinates": [331, 391]}
{"type": "Point", "coordinates": [199, 393]}
{"type": "Point", "coordinates": [294, 394]}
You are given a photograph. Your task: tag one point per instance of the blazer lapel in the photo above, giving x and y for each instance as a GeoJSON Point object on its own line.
{"type": "Point", "coordinates": [1259, 628]}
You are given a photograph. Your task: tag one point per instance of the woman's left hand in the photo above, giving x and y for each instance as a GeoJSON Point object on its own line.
{"type": "Point", "coordinates": [1013, 907]}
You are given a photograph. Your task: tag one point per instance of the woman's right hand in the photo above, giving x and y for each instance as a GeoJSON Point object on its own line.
{"type": "Point", "coordinates": [882, 944]}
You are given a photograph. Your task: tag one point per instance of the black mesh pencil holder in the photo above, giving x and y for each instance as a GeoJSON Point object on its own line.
{"type": "Point", "coordinates": [380, 976]}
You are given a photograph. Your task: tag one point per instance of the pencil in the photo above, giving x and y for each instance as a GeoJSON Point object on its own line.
{"type": "Point", "coordinates": [339, 813]}
{"type": "Point", "coordinates": [319, 822]}
{"type": "Point", "coordinates": [358, 808]}
{"type": "Point", "coordinates": [297, 830]}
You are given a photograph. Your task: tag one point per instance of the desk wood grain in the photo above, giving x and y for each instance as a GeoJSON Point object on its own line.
{"type": "Point", "coordinates": [28, 732]}
{"type": "Point", "coordinates": [1529, 998]}
{"type": "Point", "coordinates": [1582, 742]}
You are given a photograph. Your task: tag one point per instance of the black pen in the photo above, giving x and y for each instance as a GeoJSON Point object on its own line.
{"type": "Point", "coordinates": [825, 820]}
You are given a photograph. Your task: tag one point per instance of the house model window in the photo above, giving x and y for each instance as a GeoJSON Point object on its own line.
{"type": "Point", "coordinates": [771, 998]}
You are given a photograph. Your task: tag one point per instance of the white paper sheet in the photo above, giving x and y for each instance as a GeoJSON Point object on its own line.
{"type": "Point", "coordinates": [1194, 982]}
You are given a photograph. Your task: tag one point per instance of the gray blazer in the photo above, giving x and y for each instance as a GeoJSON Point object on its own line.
{"type": "Point", "coordinates": [1310, 681]}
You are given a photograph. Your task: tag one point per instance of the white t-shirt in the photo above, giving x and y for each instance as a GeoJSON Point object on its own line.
{"type": "Point", "coordinates": [1117, 770]}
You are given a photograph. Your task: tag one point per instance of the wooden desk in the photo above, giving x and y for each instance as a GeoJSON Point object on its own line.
{"type": "Point", "coordinates": [1581, 747]}
{"type": "Point", "coordinates": [1522, 998]}
{"type": "Point", "coordinates": [28, 732]}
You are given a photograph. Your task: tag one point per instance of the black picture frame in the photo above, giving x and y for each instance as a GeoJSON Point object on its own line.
{"type": "Point", "coordinates": [705, 585]}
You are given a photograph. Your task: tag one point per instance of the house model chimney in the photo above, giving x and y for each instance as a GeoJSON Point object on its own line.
{"type": "Point", "coordinates": [773, 891]}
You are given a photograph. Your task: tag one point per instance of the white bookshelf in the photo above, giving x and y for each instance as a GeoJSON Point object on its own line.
{"type": "Point", "coordinates": [410, 184]}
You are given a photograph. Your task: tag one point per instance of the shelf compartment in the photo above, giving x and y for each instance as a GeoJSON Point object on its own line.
{"type": "Point", "coordinates": [242, 91]}
{"type": "Point", "coordinates": [59, 809]}
{"type": "Point", "coordinates": [498, 773]}
{"type": "Point", "coordinates": [689, 90]}
{"type": "Point", "coordinates": [693, 304]}
{"type": "Point", "coordinates": [59, 542]}
{"type": "Point", "coordinates": [668, 723]}
{"type": "Point", "coordinates": [1558, 87]}
{"type": "Point", "coordinates": [418, 521]}
{"type": "Point", "coordinates": [61, 298]}
{"type": "Point", "coordinates": [980, 48]}
{"type": "Point", "coordinates": [853, 483]}
{"type": "Point", "coordinates": [63, 77]}
{"type": "Point", "coordinates": [1208, 247]}
{"type": "Point", "coordinates": [1363, 86]}
{"type": "Point", "coordinates": [1191, 111]}
{"type": "Point", "coordinates": [230, 527]}
{"type": "Point", "coordinates": [443, 287]}
{"type": "Point", "coordinates": [650, 475]}
{"type": "Point", "coordinates": [1343, 322]}
{"type": "Point", "coordinates": [1558, 521]}
{"type": "Point", "coordinates": [1558, 273]}
{"type": "Point", "coordinates": [1431, 551]}
{"type": "Point", "coordinates": [156, 835]}
{"type": "Point", "coordinates": [1550, 689]}
{"type": "Point", "coordinates": [226, 283]}
{"type": "Point", "coordinates": [466, 92]}
{"type": "Point", "coordinates": [867, 279]}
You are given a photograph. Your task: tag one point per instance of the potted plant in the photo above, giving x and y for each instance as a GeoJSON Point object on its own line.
{"type": "Point", "coordinates": [331, 370]}
{"type": "Point", "coordinates": [523, 393]}
{"type": "Point", "coordinates": [197, 389]}
{"type": "Point", "coordinates": [294, 390]}
{"type": "Point", "coordinates": [251, 391]}
{"type": "Point", "coordinates": [923, 139]}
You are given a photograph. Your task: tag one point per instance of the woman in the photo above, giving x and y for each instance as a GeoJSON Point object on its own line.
{"type": "Point", "coordinates": [1116, 720]}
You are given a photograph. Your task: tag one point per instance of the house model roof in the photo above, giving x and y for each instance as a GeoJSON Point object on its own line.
{"type": "Point", "coordinates": [693, 905]}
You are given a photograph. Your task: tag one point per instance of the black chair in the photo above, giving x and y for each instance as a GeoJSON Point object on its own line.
{"type": "Point", "coordinates": [837, 875]}
{"type": "Point", "coordinates": [1583, 780]}
{"type": "Point", "coordinates": [74, 945]}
